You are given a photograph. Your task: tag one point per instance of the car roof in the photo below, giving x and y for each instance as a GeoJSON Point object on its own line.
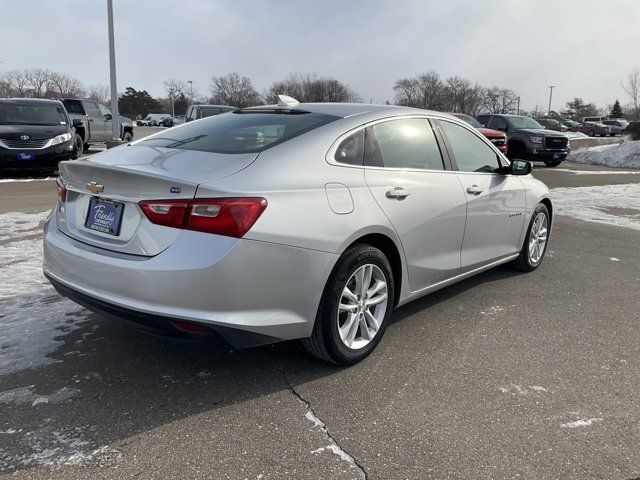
{"type": "Point", "coordinates": [29, 100]}
{"type": "Point", "coordinates": [216, 106]}
{"type": "Point", "coordinates": [345, 110]}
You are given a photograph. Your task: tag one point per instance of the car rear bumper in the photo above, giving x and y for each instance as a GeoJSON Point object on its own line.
{"type": "Point", "coordinates": [46, 159]}
{"type": "Point", "coordinates": [250, 291]}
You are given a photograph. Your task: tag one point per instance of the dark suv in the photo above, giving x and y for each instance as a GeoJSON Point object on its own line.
{"type": "Point", "coordinates": [35, 134]}
{"type": "Point", "coordinates": [528, 140]}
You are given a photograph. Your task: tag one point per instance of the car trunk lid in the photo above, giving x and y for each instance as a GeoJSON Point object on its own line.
{"type": "Point", "coordinates": [111, 185]}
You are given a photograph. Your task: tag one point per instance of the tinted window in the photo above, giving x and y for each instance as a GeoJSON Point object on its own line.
{"type": "Point", "coordinates": [524, 122]}
{"type": "Point", "coordinates": [351, 149]}
{"type": "Point", "coordinates": [470, 152]}
{"type": "Point", "coordinates": [210, 112]}
{"type": "Point", "coordinates": [73, 106]}
{"type": "Point", "coordinates": [483, 119]}
{"type": "Point", "coordinates": [27, 113]}
{"type": "Point", "coordinates": [238, 132]}
{"type": "Point", "coordinates": [499, 123]}
{"type": "Point", "coordinates": [468, 119]}
{"type": "Point", "coordinates": [408, 143]}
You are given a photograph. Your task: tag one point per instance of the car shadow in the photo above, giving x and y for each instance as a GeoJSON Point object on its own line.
{"type": "Point", "coordinates": [129, 382]}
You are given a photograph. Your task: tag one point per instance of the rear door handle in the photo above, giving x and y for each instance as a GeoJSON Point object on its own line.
{"type": "Point", "coordinates": [474, 190]}
{"type": "Point", "coordinates": [398, 192]}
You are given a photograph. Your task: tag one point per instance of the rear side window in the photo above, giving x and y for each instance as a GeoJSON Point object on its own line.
{"type": "Point", "coordinates": [237, 132]}
{"type": "Point", "coordinates": [73, 106]}
{"type": "Point", "coordinates": [406, 143]}
{"type": "Point", "coordinates": [499, 123]}
{"type": "Point", "coordinates": [351, 149]}
{"type": "Point", "coordinates": [470, 152]}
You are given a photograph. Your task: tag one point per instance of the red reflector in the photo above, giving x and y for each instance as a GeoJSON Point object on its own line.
{"type": "Point", "coordinates": [62, 190]}
{"type": "Point", "coordinates": [191, 327]}
{"type": "Point", "coordinates": [222, 216]}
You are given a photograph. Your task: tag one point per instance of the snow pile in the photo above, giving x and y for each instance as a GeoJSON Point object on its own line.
{"type": "Point", "coordinates": [617, 205]}
{"type": "Point", "coordinates": [625, 154]}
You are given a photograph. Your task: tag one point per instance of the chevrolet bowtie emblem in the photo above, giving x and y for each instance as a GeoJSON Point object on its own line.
{"type": "Point", "coordinates": [94, 187]}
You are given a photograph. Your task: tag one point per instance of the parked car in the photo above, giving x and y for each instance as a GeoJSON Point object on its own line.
{"type": "Point", "coordinates": [633, 130]}
{"type": "Point", "coordinates": [195, 112]}
{"type": "Point", "coordinates": [152, 120]}
{"type": "Point", "coordinates": [261, 225]}
{"type": "Point", "coordinates": [593, 129]}
{"type": "Point", "coordinates": [570, 124]}
{"type": "Point", "coordinates": [616, 126]}
{"type": "Point", "coordinates": [498, 138]}
{"type": "Point", "coordinates": [173, 121]}
{"type": "Point", "coordinates": [552, 124]}
{"type": "Point", "coordinates": [528, 140]}
{"type": "Point", "coordinates": [91, 121]}
{"type": "Point", "coordinates": [35, 134]}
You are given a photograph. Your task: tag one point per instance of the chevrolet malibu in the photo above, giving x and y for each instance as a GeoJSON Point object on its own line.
{"type": "Point", "coordinates": [291, 221]}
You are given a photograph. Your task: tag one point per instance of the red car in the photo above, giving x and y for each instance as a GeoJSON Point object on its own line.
{"type": "Point", "coordinates": [498, 138]}
{"type": "Point", "coordinates": [592, 129]}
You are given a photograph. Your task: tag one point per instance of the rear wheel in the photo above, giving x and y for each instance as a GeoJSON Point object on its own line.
{"type": "Point", "coordinates": [591, 133]}
{"type": "Point", "coordinates": [355, 307]}
{"type": "Point", "coordinates": [535, 244]}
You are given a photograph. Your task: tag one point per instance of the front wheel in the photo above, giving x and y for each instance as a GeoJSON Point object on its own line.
{"type": "Point", "coordinates": [127, 137]}
{"type": "Point", "coordinates": [552, 163]}
{"type": "Point", "coordinates": [355, 307]}
{"type": "Point", "coordinates": [79, 144]}
{"type": "Point", "coordinates": [535, 244]}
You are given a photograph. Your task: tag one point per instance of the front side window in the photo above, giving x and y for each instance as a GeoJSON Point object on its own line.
{"type": "Point", "coordinates": [524, 122]}
{"type": "Point", "coordinates": [351, 149]}
{"type": "Point", "coordinates": [499, 123]}
{"type": "Point", "coordinates": [241, 132]}
{"type": "Point", "coordinates": [104, 110]}
{"type": "Point", "coordinates": [406, 143]}
{"type": "Point", "coordinates": [471, 153]}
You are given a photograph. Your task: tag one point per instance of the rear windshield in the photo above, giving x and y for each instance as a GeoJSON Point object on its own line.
{"type": "Point", "coordinates": [469, 120]}
{"type": "Point", "coordinates": [237, 132]}
{"type": "Point", "coordinates": [32, 114]}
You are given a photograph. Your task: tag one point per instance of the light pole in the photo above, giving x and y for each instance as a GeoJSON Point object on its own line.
{"type": "Point", "coordinates": [518, 109]}
{"type": "Point", "coordinates": [190, 82]}
{"type": "Point", "coordinates": [551, 87]}
{"type": "Point", "coordinates": [115, 115]}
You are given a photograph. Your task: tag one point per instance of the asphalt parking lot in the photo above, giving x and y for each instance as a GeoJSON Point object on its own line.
{"type": "Point", "coordinates": [503, 376]}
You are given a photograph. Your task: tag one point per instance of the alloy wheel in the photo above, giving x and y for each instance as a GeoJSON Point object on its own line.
{"type": "Point", "coordinates": [362, 306]}
{"type": "Point", "coordinates": [538, 238]}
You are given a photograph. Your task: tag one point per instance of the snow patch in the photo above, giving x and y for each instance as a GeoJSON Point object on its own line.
{"type": "Point", "coordinates": [21, 180]}
{"type": "Point", "coordinates": [597, 172]}
{"type": "Point", "coordinates": [580, 423]}
{"type": "Point", "coordinates": [614, 259]}
{"type": "Point", "coordinates": [519, 390]}
{"type": "Point", "coordinates": [592, 204]}
{"type": "Point", "coordinates": [493, 310]}
{"type": "Point", "coordinates": [25, 395]}
{"type": "Point", "coordinates": [624, 154]}
{"type": "Point", "coordinates": [17, 224]}
{"type": "Point", "coordinates": [34, 317]}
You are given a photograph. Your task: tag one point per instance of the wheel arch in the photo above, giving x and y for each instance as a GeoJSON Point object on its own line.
{"type": "Point", "coordinates": [387, 246]}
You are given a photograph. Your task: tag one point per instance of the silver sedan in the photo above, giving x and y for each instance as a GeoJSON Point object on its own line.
{"type": "Point", "coordinates": [291, 221]}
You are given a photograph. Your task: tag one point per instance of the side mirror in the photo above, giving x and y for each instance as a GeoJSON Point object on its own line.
{"type": "Point", "coordinates": [108, 116]}
{"type": "Point", "coordinates": [77, 123]}
{"type": "Point", "coordinates": [520, 167]}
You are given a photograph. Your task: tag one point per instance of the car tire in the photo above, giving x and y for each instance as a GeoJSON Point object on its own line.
{"type": "Point", "coordinates": [529, 260]}
{"type": "Point", "coordinates": [516, 151]}
{"type": "Point", "coordinates": [79, 145]}
{"type": "Point", "coordinates": [552, 163]}
{"type": "Point", "coordinates": [87, 146]}
{"type": "Point", "coordinates": [127, 137]}
{"type": "Point", "coordinates": [331, 332]}
{"type": "Point", "coordinates": [591, 133]}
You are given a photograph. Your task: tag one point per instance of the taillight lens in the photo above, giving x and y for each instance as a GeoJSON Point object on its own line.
{"type": "Point", "coordinates": [62, 191]}
{"type": "Point", "coordinates": [232, 217]}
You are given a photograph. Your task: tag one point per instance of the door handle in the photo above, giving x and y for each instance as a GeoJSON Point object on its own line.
{"type": "Point", "coordinates": [398, 192]}
{"type": "Point", "coordinates": [474, 190]}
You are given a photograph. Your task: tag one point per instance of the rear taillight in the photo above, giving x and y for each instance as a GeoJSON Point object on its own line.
{"type": "Point", "coordinates": [62, 191]}
{"type": "Point", "coordinates": [232, 217]}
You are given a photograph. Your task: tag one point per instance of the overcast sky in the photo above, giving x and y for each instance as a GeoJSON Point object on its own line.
{"type": "Point", "coordinates": [585, 47]}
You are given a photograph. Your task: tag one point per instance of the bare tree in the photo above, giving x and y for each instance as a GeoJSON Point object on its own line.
{"type": "Point", "coordinates": [39, 80]}
{"type": "Point", "coordinates": [174, 89]}
{"type": "Point", "coordinates": [424, 91]}
{"type": "Point", "coordinates": [500, 100]}
{"type": "Point", "coordinates": [63, 85]}
{"type": "Point", "coordinates": [18, 81]}
{"type": "Point", "coordinates": [99, 93]}
{"type": "Point", "coordinates": [233, 89]}
{"type": "Point", "coordinates": [310, 87]}
{"type": "Point", "coordinates": [632, 87]}
{"type": "Point", "coordinates": [5, 88]}
{"type": "Point", "coordinates": [460, 95]}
